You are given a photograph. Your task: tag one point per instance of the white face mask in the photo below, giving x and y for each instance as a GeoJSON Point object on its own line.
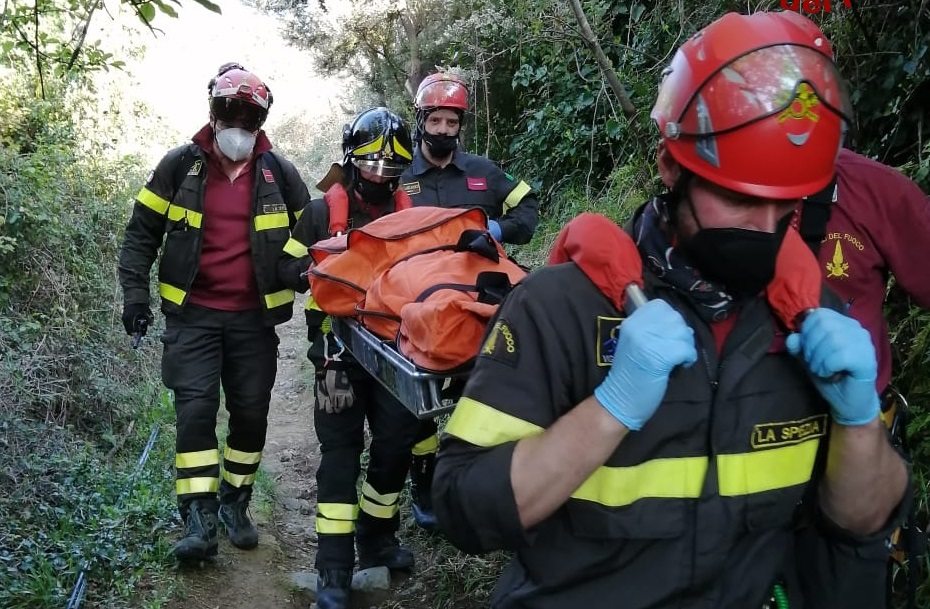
{"type": "Point", "coordinates": [235, 143]}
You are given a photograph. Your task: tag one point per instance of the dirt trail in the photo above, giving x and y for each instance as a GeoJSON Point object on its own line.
{"type": "Point", "coordinates": [262, 578]}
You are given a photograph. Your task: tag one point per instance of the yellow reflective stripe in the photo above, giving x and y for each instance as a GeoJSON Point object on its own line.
{"type": "Point", "coordinates": [327, 326]}
{"type": "Point", "coordinates": [766, 470]}
{"type": "Point", "coordinates": [201, 458]}
{"type": "Point", "coordinates": [374, 146]}
{"type": "Point", "coordinates": [338, 511]}
{"type": "Point", "coordinates": [369, 492]}
{"type": "Point", "coordinates": [298, 214]}
{"type": "Point", "coordinates": [427, 446]}
{"type": "Point", "coordinates": [178, 213]}
{"type": "Point", "coordinates": [513, 199]}
{"type": "Point", "coordinates": [334, 527]}
{"type": "Point", "coordinates": [399, 149]}
{"type": "Point", "coordinates": [152, 201]}
{"type": "Point", "coordinates": [189, 486]}
{"type": "Point", "coordinates": [239, 480]}
{"type": "Point", "coordinates": [481, 425]}
{"type": "Point", "coordinates": [312, 304]}
{"type": "Point", "coordinates": [231, 454]}
{"type": "Point", "coordinates": [269, 221]}
{"type": "Point", "coordinates": [171, 293]}
{"type": "Point", "coordinates": [295, 248]}
{"type": "Point", "coordinates": [680, 478]}
{"type": "Point", "coordinates": [276, 299]}
{"type": "Point", "coordinates": [378, 511]}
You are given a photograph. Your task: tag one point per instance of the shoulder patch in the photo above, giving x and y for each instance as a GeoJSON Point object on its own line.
{"type": "Point", "coordinates": [783, 433]}
{"type": "Point", "coordinates": [510, 177]}
{"type": "Point", "coordinates": [501, 344]}
{"type": "Point", "coordinates": [608, 329]}
{"type": "Point", "coordinates": [149, 179]}
{"type": "Point", "coordinates": [411, 188]}
{"type": "Point", "coordinates": [195, 168]}
{"type": "Point", "coordinates": [269, 177]}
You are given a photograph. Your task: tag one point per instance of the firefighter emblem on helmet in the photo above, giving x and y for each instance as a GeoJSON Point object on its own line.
{"type": "Point", "coordinates": [797, 116]}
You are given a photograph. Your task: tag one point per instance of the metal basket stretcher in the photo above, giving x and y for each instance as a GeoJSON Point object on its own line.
{"type": "Point", "coordinates": [425, 394]}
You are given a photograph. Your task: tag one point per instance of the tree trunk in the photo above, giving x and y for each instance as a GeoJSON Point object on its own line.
{"type": "Point", "coordinates": [413, 64]}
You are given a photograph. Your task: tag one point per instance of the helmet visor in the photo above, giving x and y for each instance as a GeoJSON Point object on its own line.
{"type": "Point", "coordinates": [238, 112]}
{"type": "Point", "coordinates": [382, 167]}
{"type": "Point", "coordinates": [790, 82]}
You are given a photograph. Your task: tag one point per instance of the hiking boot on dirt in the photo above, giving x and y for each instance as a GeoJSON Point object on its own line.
{"type": "Point", "coordinates": [332, 589]}
{"type": "Point", "coordinates": [199, 541]}
{"type": "Point", "coordinates": [233, 514]}
{"type": "Point", "coordinates": [421, 488]}
{"type": "Point", "coordinates": [383, 551]}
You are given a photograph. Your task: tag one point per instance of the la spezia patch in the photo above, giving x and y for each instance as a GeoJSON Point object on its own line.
{"type": "Point", "coordinates": [783, 433]}
{"type": "Point", "coordinates": [411, 188]}
{"type": "Point", "coordinates": [274, 208]}
{"type": "Point", "coordinates": [608, 331]}
{"type": "Point", "coordinates": [195, 168]}
{"type": "Point", "coordinates": [501, 344]}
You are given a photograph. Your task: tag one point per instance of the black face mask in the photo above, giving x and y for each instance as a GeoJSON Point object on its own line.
{"type": "Point", "coordinates": [374, 193]}
{"type": "Point", "coordinates": [742, 260]}
{"type": "Point", "coordinates": [441, 146]}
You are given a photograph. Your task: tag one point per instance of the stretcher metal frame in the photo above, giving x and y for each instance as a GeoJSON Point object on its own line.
{"type": "Point", "coordinates": [425, 394]}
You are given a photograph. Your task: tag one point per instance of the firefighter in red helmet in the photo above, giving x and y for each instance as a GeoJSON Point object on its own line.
{"type": "Point", "coordinates": [218, 217]}
{"type": "Point", "coordinates": [668, 468]}
{"type": "Point", "coordinates": [444, 175]}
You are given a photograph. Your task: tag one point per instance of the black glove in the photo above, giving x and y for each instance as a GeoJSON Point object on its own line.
{"type": "Point", "coordinates": [132, 314]}
{"type": "Point", "coordinates": [334, 391]}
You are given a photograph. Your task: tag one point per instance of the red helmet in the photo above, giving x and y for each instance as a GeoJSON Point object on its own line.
{"type": "Point", "coordinates": [442, 90]}
{"type": "Point", "coordinates": [237, 94]}
{"type": "Point", "coordinates": [755, 104]}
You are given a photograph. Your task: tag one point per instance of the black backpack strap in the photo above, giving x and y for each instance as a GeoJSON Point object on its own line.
{"type": "Point", "coordinates": [815, 214]}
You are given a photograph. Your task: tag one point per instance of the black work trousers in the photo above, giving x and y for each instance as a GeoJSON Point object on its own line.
{"type": "Point", "coordinates": [204, 350]}
{"type": "Point", "coordinates": [342, 441]}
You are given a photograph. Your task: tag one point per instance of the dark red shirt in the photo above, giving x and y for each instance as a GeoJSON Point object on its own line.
{"type": "Point", "coordinates": [226, 276]}
{"type": "Point", "coordinates": [880, 224]}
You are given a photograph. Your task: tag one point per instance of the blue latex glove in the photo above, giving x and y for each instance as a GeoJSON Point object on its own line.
{"type": "Point", "coordinates": [831, 343]}
{"type": "Point", "coordinates": [653, 340]}
{"type": "Point", "coordinates": [494, 228]}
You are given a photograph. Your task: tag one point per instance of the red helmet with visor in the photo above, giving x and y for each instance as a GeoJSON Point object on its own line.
{"type": "Point", "coordinates": [755, 104]}
{"type": "Point", "coordinates": [442, 90]}
{"type": "Point", "coordinates": [239, 96]}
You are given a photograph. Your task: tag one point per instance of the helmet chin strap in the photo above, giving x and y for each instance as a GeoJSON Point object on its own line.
{"type": "Point", "coordinates": [677, 194]}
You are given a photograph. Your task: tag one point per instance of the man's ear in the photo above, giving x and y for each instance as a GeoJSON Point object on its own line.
{"type": "Point", "coordinates": [669, 169]}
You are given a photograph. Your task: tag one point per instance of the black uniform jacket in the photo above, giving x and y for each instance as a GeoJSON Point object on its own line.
{"type": "Point", "coordinates": [168, 214]}
{"type": "Point", "coordinates": [474, 181]}
{"type": "Point", "coordinates": [696, 510]}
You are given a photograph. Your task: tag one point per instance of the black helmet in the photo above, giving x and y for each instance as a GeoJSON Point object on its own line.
{"type": "Point", "coordinates": [378, 141]}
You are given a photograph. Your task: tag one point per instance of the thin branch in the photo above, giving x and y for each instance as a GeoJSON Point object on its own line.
{"type": "Point", "coordinates": [80, 42]}
{"type": "Point", "coordinates": [591, 42]}
{"type": "Point", "coordinates": [35, 15]}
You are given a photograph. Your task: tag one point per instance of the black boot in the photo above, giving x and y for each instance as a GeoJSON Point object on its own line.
{"type": "Point", "coordinates": [382, 550]}
{"type": "Point", "coordinates": [199, 539]}
{"type": "Point", "coordinates": [234, 516]}
{"type": "Point", "coordinates": [421, 488]}
{"type": "Point", "coordinates": [332, 589]}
